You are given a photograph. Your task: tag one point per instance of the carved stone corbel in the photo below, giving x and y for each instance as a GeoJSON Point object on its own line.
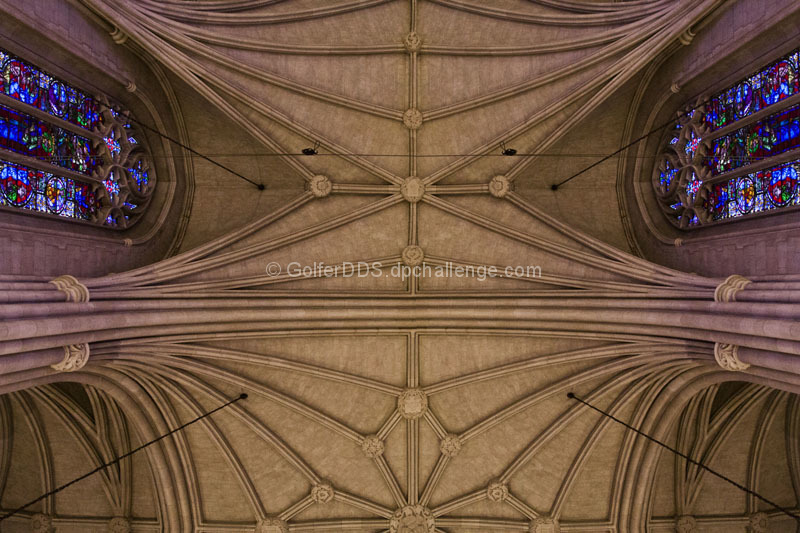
{"type": "Point", "coordinates": [727, 290]}
{"type": "Point", "coordinates": [74, 289]}
{"type": "Point", "coordinates": [727, 355]}
{"type": "Point", "coordinates": [75, 357]}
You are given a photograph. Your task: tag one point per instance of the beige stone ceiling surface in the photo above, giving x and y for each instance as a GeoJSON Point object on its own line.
{"type": "Point", "coordinates": [380, 402]}
{"type": "Point", "coordinates": [341, 73]}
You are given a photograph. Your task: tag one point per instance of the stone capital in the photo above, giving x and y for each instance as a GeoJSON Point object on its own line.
{"type": "Point", "coordinates": [75, 357]}
{"type": "Point", "coordinates": [727, 356]}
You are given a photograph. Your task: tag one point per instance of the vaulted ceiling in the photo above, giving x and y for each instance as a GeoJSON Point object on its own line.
{"type": "Point", "coordinates": [380, 401]}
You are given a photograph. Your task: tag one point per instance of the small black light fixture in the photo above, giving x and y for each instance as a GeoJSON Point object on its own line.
{"type": "Point", "coordinates": [507, 151]}
{"type": "Point", "coordinates": [311, 151]}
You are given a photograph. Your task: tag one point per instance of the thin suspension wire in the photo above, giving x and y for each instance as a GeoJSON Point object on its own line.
{"type": "Point", "coordinates": [787, 512]}
{"type": "Point", "coordinates": [242, 396]}
{"type": "Point", "coordinates": [555, 186]}
{"type": "Point", "coordinates": [346, 154]}
{"type": "Point", "coordinates": [192, 150]}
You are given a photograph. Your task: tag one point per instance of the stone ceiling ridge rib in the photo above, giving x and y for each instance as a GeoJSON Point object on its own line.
{"type": "Point", "coordinates": [238, 19]}
{"type": "Point", "coordinates": [623, 14]}
{"type": "Point", "coordinates": [420, 404]}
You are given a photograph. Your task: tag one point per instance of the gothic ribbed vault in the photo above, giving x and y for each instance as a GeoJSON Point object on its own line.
{"type": "Point", "coordinates": [380, 402]}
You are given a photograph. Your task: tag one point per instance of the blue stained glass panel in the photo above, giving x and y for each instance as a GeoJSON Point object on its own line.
{"type": "Point", "coordinates": [28, 136]}
{"type": "Point", "coordinates": [31, 189]}
{"type": "Point", "coordinates": [24, 82]}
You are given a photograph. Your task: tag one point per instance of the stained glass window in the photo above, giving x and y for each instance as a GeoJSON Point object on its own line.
{"type": "Point", "coordinates": [43, 192]}
{"type": "Point", "coordinates": [730, 155]}
{"type": "Point", "coordinates": [27, 84]}
{"type": "Point", "coordinates": [67, 154]}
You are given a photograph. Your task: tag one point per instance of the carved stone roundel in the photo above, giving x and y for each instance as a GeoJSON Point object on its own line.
{"type": "Point", "coordinates": [412, 118]}
{"type": "Point", "coordinates": [372, 446]}
{"type": "Point", "coordinates": [686, 524]}
{"type": "Point", "coordinates": [412, 189]}
{"type": "Point", "coordinates": [272, 525]}
{"type": "Point", "coordinates": [544, 525]}
{"type": "Point", "coordinates": [322, 493]}
{"type": "Point", "coordinates": [499, 186]}
{"type": "Point", "coordinates": [412, 403]}
{"type": "Point", "coordinates": [320, 186]}
{"type": "Point", "coordinates": [497, 491]}
{"type": "Point", "coordinates": [412, 42]}
{"type": "Point", "coordinates": [450, 445]}
{"type": "Point", "coordinates": [759, 523]}
{"type": "Point", "coordinates": [412, 255]}
{"type": "Point", "coordinates": [41, 523]}
{"type": "Point", "coordinates": [119, 524]}
{"type": "Point", "coordinates": [412, 519]}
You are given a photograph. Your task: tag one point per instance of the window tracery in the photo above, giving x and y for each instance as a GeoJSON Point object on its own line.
{"type": "Point", "coordinates": [67, 154]}
{"type": "Point", "coordinates": [734, 154]}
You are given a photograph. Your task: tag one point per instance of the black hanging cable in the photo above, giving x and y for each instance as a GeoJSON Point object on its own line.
{"type": "Point", "coordinates": [555, 186]}
{"type": "Point", "coordinates": [192, 150]}
{"type": "Point", "coordinates": [242, 396]}
{"type": "Point", "coordinates": [572, 396]}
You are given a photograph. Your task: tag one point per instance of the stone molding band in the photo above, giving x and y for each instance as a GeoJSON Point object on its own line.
{"type": "Point", "coordinates": [74, 289]}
